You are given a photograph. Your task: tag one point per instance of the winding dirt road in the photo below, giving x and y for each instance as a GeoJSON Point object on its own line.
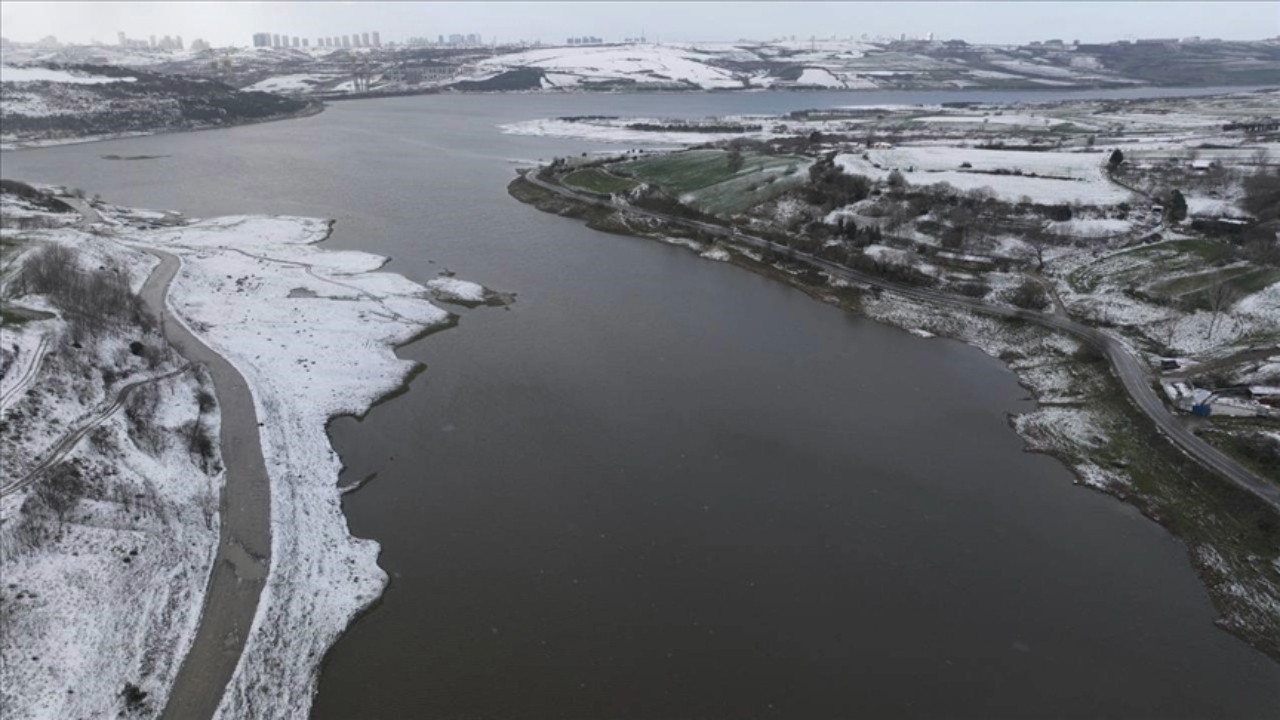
{"type": "Point", "coordinates": [28, 373]}
{"type": "Point", "coordinates": [244, 549]}
{"type": "Point", "coordinates": [63, 447]}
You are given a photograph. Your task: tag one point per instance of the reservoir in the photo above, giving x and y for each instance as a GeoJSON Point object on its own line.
{"type": "Point", "coordinates": [660, 487]}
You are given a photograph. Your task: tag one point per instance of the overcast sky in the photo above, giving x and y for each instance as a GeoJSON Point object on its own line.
{"type": "Point", "coordinates": [233, 23]}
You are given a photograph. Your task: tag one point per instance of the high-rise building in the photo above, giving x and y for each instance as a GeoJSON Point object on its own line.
{"type": "Point", "coordinates": [121, 38]}
{"type": "Point", "coordinates": [275, 40]}
{"type": "Point", "coordinates": [179, 42]}
{"type": "Point", "coordinates": [304, 42]}
{"type": "Point", "coordinates": [296, 41]}
{"type": "Point", "coordinates": [262, 39]}
{"type": "Point", "coordinates": [153, 41]}
{"type": "Point", "coordinates": [364, 39]}
{"type": "Point", "coordinates": [346, 41]}
{"type": "Point", "coordinates": [377, 41]}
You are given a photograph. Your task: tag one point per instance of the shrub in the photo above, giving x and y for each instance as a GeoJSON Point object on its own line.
{"type": "Point", "coordinates": [1060, 213]}
{"type": "Point", "coordinates": [973, 289]}
{"type": "Point", "coordinates": [134, 697]}
{"type": "Point", "coordinates": [95, 298]}
{"type": "Point", "coordinates": [830, 187]}
{"type": "Point", "coordinates": [1030, 295]}
{"type": "Point", "coordinates": [1262, 195]}
{"type": "Point", "coordinates": [61, 489]}
{"type": "Point", "coordinates": [1089, 353]}
{"type": "Point", "coordinates": [205, 400]}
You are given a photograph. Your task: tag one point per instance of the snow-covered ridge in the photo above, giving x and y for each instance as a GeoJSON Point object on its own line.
{"type": "Point", "coordinates": [41, 105]}
{"type": "Point", "coordinates": [9, 74]}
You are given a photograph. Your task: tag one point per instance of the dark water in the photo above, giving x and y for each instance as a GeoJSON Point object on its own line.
{"type": "Point", "coordinates": [660, 487]}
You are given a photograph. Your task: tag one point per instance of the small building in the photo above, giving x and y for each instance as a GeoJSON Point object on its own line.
{"type": "Point", "coordinates": [1266, 394]}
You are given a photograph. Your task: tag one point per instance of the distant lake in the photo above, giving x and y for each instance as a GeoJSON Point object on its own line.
{"type": "Point", "coordinates": [658, 487]}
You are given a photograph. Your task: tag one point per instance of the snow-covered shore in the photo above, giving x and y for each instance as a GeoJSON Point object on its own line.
{"type": "Point", "coordinates": [314, 333]}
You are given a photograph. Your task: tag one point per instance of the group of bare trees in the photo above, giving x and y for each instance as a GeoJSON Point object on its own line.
{"type": "Point", "coordinates": [91, 299]}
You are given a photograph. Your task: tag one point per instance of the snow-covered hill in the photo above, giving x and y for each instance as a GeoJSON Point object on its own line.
{"type": "Point", "coordinates": [841, 64]}
{"type": "Point", "coordinates": [70, 103]}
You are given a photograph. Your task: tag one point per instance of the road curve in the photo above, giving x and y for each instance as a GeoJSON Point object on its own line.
{"type": "Point", "coordinates": [1128, 368]}
{"type": "Point", "coordinates": [244, 548]}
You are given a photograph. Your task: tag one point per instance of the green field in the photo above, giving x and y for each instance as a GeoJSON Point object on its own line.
{"type": "Point", "coordinates": [704, 180]}
{"type": "Point", "coordinates": [597, 181]}
{"type": "Point", "coordinates": [1178, 271]}
{"type": "Point", "coordinates": [1246, 281]}
{"type": "Point", "coordinates": [1150, 263]}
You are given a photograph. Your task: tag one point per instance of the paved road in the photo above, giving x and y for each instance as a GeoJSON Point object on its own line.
{"type": "Point", "coordinates": [1128, 368]}
{"type": "Point", "coordinates": [244, 549]}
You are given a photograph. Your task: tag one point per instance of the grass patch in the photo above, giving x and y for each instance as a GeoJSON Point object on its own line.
{"type": "Point", "coordinates": [1245, 445]}
{"type": "Point", "coordinates": [1140, 265]}
{"type": "Point", "coordinates": [707, 181]}
{"type": "Point", "coordinates": [1256, 281]}
{"type": "Point", "coordinates": [1199, 281]}
{"type": "Point", "coordinates": [10, 318]}
{"type": "Point", "coordinates": [597, 181]}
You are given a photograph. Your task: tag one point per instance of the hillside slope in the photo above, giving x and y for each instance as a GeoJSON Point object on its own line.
{"type": "Point", "coordinates": [66, 103]}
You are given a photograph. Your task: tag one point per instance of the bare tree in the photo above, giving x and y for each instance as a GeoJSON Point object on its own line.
{"type": "Point", "coordinates": [1220, 297]}
{"type": "Point", "coordinates": [1039, 240]}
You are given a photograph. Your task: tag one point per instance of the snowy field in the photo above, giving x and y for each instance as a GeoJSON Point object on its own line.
{"type": "Point", "coordinates": [645, 64]}
{"type": "Point", "coordinates": [1201, 206]}
{"type": "Point", "coordinates": [295, 83]}
{"type": "Point", "coordinates": [1061, 177]}
{"type": "Point", "coordinates": [1091, 227]}
{"type": "Point", "coordinates": [616, 131]}
{"type": "Point", "coordinates": [9, 74]}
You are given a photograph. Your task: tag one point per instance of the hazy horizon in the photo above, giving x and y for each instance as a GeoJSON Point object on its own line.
{"type": "Point", "coordinates": [233, 23]}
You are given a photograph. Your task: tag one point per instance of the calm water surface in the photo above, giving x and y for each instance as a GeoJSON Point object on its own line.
{"type": "Point", "coordinates": [661, 487]}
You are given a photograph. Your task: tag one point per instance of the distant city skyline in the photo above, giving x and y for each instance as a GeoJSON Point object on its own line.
{"type": "Point", "coordinates": [234, 23]}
